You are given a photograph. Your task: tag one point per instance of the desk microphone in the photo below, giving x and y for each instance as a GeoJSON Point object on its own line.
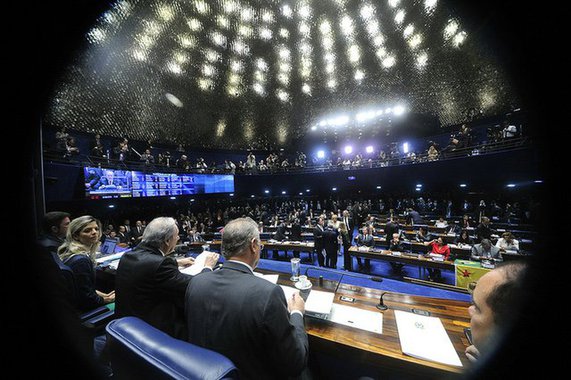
{"type": "Point", "coordinates": [343, 274]}
{"type": "Point", "coordinates": [381, 305]}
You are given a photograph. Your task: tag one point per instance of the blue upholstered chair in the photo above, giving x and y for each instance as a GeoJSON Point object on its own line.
{"type": "Point", "coordinates": [137, 350]}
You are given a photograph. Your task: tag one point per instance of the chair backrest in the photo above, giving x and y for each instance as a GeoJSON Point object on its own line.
{"type": "Point", "coordinates": [68, 277]}
{"type": "Point", "coordinates": [138, 350]}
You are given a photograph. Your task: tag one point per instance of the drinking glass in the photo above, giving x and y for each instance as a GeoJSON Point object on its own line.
{"type": "Point", "coordinates": [295, 267]}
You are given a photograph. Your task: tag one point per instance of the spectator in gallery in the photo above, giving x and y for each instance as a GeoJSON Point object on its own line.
{"type": "Point", "coordinates": [230, 167]}
{"type": "Point", "coordinates": [147, 158]}
{"type": "Point", "coordinates": [432, 153]}
{"type": "Point", "coordinates": [250, 161]}
{"type": "Point", "coordinates": [97, 148]}
{"type": "Point", "coordinates": [182, 163]}
{"type": "Point", "coordinates": [72, 150]}
{"type": "Point", "coordinates": [78, 252]}
{"type": "Point", "coordinates": [121, 151]}
{"type": "Point", "coordinates": [509, 130]}
{"type": "Point", "coordinates": [61, 140]}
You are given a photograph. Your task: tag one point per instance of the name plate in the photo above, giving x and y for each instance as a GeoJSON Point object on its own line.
{"type": "Point", "coordinates": [396, 253]}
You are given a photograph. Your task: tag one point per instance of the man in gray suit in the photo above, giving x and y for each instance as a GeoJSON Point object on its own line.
{"type": "Point", "coordinates": [486, 251]}
{"type": "Point", "coordinates": [245, 317]}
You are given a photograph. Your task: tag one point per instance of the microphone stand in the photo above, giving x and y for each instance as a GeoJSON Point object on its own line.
{"type": "Point", "coordinates": [381, 306]}
{"type": "Point", "coordinates": [343, 274]}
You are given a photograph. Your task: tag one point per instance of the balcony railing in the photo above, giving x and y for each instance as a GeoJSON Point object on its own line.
{"type": "Point", "coordinates": [501, 146]}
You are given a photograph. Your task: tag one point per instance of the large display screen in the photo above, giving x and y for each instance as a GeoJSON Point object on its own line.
{"type": "Point", "coordinates": [113, 183]}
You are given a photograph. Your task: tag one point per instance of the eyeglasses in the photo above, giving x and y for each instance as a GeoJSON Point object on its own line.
{"type": "Point", "coordinates": [261, 247]}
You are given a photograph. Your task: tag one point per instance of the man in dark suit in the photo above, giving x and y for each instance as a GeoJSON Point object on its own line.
{"type": "Point", "coordinates": [318, 241]}
{"type": "Point", "coordinates": [149, 284]}
{"type": "Point", "coordinates": [348, 220]}
{"type": "Point", "coordinates": [136, 233]}
{"type": "Point", "coordinates": [245, 317]}
{"type": "Point", "coordinates": [331, 245]}
{"type": "Point", "coordinates": [414, 217]}
{"type": "Point", "coordinates": [364, 239]}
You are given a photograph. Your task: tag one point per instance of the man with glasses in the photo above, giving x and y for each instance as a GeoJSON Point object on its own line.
{"type": "Point", "coordinates": [245, 317]}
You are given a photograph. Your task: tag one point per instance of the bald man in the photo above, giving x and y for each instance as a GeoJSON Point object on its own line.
{"type": "Point", "coordinates": [495, 306]}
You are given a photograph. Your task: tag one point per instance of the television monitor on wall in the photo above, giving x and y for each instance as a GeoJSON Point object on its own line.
{"type": "Point", "coordinates": [101, 183]}
{"type": "Point", "coordinates": [113, 183]}
{"type": "Point", "coordinates": [169, 184]}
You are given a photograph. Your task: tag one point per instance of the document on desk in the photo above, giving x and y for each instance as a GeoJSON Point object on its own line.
{"type": "Point", "coordinates": [273, 278]}
{"type": "Point", "coordinates": [358, 318]}
{"type": "Point", "coordinates": [425, 338]}
{"type": "Point", "coordinates": [319, 303]}
{"type": "Point", "coordinates": [111, 257]}
{"type": "Point", "coordinates": [288, 291]}
{"type": "Point", "coordinates": [198, 265]}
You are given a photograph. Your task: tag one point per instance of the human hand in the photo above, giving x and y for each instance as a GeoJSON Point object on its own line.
{"type": "Point", "coordinates": [296, 303]}
{"type": "Point", "coordinates": [185, 261]}
{"type": "Point", "coordinates": [472, 353]}
{"type": "Point", "coordinates": [109, 297]}
{"type": "Point", "coordinates": [211, 259]}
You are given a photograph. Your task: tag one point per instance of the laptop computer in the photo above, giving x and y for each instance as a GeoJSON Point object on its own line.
{"type": "Point", "coordinates": [108, 246]}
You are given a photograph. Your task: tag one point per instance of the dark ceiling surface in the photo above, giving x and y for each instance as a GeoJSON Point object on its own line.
{"type": "Point", "coordinates": [266, 74]}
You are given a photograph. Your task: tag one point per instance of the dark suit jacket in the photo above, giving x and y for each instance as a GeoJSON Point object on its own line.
{"type": "Point", "coordinates": [245, 317]}
{"type": "Point", "coordinates": [318, 238]}
{"type": "Point", "coordinates": [150, 286]}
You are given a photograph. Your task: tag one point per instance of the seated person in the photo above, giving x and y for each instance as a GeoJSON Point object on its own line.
{"type": "Point", "coordinates": [109, 181]}
{"type": "Point", "coordinates": [78, 252]}
{"type": "Point", "coordinates": [464, 239]}
{"type": "Point", "coordinates": [441, 223]}
{"type": "Point", "coordinates": [439, 247]}
{"type": "Point", "coordinates": [454, 229]}
{"type": "Point", "coordinates": [364, 239]}
{"type": "Point", "coordinates": [507, 242]}
{"type": "Point", "coordinates": [496, 305]}
{"type": "Point", "coordinates": [396, 245]}
{"type": "Point", "coordinates": [422, 236]}
{"type": "Point", "coordinates": [485, 251]}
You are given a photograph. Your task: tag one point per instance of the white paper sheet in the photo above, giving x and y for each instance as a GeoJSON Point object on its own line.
{"type": "Point", "coordinates": [198, 265]}
{"type": "Point", "coordinates": [288, 291]}
{"type": "Point", "coordinates": [358, 318]}
{"type": "Point", "coordinates": [425, 338]}
{"type": "Point", "coordinates": [112, 257]}
{"type": "Point", "coordinates": [273, 278]}
{"type": "Point", "coordinates": [319, 303]}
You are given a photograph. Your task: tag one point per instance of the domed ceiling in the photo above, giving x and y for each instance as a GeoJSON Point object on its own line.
{"type": "Point", "coordinates": [265, 74]}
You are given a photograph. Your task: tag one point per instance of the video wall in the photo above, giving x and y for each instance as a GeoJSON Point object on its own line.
{"type": "Point", "coordinates": [101, 183]}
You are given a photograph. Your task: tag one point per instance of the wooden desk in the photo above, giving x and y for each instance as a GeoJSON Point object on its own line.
{"type": "Point", "coordinates": [356, 346]}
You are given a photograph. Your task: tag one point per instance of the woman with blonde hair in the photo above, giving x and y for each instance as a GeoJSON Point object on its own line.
{"type": "Point", "coordinates": [78, 253]}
